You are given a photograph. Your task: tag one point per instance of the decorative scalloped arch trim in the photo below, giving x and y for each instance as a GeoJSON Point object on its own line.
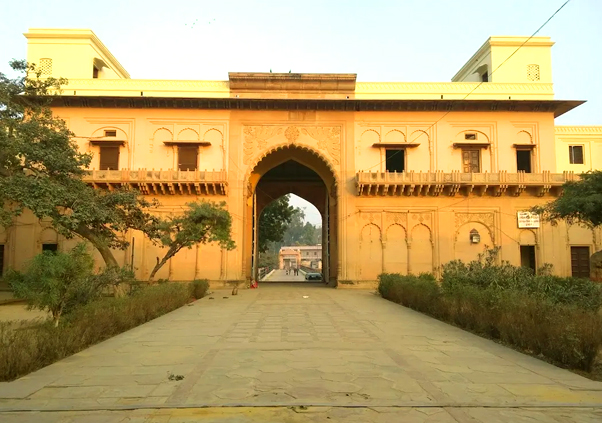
{"type": "Point", "coordinates": [525, 132]}
{"type": "Point", "coordinates": [53, 238]}
{"type": "Point", "coordinates": [287, 145]}
{"type": "Point", "coordinates": [162, 129]}
{"type": "Point", "coordinates": [470, 130]}
{"type": "Point", "coordinates": [528, 230]}
{"type": "Point", "coordinates": [420, 131]}
{"type": "Point", "coordinates": [371, 130]}
{"type": "Point", "coordinates": [491, 235]}
{"type": "Point", "coordinates": [380, 235]}
{"type": "Point", "coordinates": [421, 224]}
{"type": "Point", "coordinates": [99, 132]}
{"type": "Point", "coordinates": [189, 129]}
{"type": "Point", "coordinates": [221, 134]}
{"type": "Point", "coordinates": [405, 231]}
{"type": "Point", "coordinates": [397, 130]}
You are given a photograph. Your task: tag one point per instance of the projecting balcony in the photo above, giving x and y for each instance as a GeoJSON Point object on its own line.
{"type": "Point", "coordinates": [162, 182]}
{"type": "Point", "coordinates": [437, 183]}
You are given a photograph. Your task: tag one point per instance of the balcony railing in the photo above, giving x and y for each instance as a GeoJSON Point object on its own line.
{"type": "Point", "coordinates": [436, 183]}
{"type": "Point", "coordinates": [157, 182]}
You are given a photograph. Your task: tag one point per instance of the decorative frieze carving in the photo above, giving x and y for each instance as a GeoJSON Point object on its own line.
{"type": "Point", "coordinates": [329, 139]}
{"type": "Point", "coordinates": [291, 134]}
{"type": "Point", "coordinates": [257, 137]}
{"type": "Point", "coordinates": [486, 219]}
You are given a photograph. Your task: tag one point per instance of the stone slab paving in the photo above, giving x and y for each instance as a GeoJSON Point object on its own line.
{"type": "Point", "coordinates": [272, 355]}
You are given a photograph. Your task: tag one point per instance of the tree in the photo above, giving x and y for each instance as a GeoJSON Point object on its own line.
{"type": "Point", "coordinates": [300, 232]}
{"type": "Point", "coordinates": [41, 169]}
{"type": "Point", "coordinates": [273, 222]}
{"type": "Point", "coordinates": [57, 282]}
{"type": "Point", "coordinates": [580, 201]}
{"type": "Point", "coordinates": [203, 222]}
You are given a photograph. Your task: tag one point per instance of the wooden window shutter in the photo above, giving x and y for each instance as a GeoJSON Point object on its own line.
{"type": "Point", "coordinates": [470, 161]}
{"type": "Point", "coordinates": [109, 158]}
{"type": "Point", "coordinates": [188, 157]}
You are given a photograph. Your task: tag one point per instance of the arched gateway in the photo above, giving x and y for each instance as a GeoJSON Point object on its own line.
{"type": "Point", "coordinates": [305, 172]}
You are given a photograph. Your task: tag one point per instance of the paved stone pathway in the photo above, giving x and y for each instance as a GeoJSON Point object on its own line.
{"type": "Point", "coordinates": [300, 353]}
{"type": "Point", "coordinates": [279, 275]}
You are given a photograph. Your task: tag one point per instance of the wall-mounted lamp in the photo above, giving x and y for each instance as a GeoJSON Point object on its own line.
{"type": "Point", "coordinates": [475, 238]}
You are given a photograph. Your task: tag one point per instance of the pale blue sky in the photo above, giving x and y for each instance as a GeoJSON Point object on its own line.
{"type": "Point", "coordinates": [402, 40]}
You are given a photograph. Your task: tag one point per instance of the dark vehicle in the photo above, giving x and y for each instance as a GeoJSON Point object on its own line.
{"type": "Point", "coordinates": [313, 276]}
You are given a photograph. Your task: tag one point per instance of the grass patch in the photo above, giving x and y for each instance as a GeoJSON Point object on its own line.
{"type": "Point", "coordinates": [568, 333]}
{"type": "Point", "coordinates": [26, 348]}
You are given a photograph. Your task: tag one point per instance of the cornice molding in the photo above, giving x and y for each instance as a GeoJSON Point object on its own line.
{"type": "Point", "coordinates": [452, 87]}
{"type": "Point", "coordinates": [581, 130]}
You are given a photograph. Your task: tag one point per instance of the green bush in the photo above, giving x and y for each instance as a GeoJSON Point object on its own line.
{"type": "Point", "coordinates": [484, 273]}
{"type": "Point", "coordinates": [57, 282]}
{"type": "Point", "coordinates": [199, 288]}
{"type": "Point", "coordinates": [564, 332]}
{"type": "Point", "coordinates": [28, 348]}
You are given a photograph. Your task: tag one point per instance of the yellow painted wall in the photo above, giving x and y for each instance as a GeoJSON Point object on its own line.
{"type": "Point", "coordinates": [375, 232]}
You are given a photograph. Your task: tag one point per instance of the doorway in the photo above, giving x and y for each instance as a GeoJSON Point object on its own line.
{"type": "Point", "coordinates": [291, 169]}
{"type": "Point", "coordinates": [527, 257]}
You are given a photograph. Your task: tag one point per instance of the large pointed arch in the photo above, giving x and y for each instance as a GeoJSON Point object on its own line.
{"type": "Point", "coordinates": [312, 177]}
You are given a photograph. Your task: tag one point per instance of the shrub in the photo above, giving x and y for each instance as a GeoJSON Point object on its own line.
{"type": "Point", "coordinates": [199, 288]}
{"type": "Point", "coordinates": [484, 273]}
{"type": "Point", "coordinates": [565, 332]}
{"type": "Point", "coordinates": [28, 348]}
{"type": "Point", "coordinates": [57, 282]}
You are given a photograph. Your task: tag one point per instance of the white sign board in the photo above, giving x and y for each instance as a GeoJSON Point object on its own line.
{"type": "Point", "coordinates": [527, 219]}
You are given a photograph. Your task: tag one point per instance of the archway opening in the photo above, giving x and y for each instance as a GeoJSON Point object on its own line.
{"type": "Point", "coordinates": [290, 241]}
{"type": "Point", "coordinates": [302, 172]}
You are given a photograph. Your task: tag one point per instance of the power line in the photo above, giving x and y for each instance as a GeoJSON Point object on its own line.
{"type": "Point", "coordinates": [482, 82]}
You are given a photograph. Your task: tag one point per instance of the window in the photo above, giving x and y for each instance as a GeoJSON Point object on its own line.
{"type": "Point", "coordinates": [527, 256]}
{"type": "Point", "coordinates": [523, 161]}
{"type": "Point", "coordinates": [46, 66]}
{"type": "Point", "coordinates": [485, 77]}
{"type": "Point", "coordinates": [533, 72]}
{"type": "Point", "coordinates": [470, 136]}
{"type": "Point", "coordinates": [110, 133]}
{"type": "Point", "coordinates": [580, 262]}
{"type": "Point", "coordinates": [1, 259]}
{"type": "Point", "coordinates": [576, 154]}
{"type": "Point", "coordinates": [94, 72]}
{"type": "Point", "coordinates": [471, 161]}
{"type": "Point", "coordinates": [188, 157]}
{"type": "Point", "coordinates": [50, 247]}
{"type": "Point", "coordinates": [109, 157]}
{"type": "Point", "coordinates": [395, 160]}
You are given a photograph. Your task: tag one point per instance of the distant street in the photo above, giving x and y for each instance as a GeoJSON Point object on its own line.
{"type": "Point", "coordinates": [281, 276]}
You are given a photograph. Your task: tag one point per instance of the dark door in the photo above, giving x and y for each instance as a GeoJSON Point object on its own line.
{"type": "Point", "coordinates": [188, 157]}
{"type": "Point", "coordinates": [527, 256]}
{"type": "Point", "coordinates": [471, 162]}
{"type": "Point", "coordinates": [580, 262]}
{"type": "Point", "coordinates": [523, 160]}
{"type": "Point", "coordinates": [395, 160]}
{"type": "Point", "coordinates": [1, 259]}
{"type": "Point", "coordinates": [50, 247]}
{"type": "Point", "coordinates": [109, 158]}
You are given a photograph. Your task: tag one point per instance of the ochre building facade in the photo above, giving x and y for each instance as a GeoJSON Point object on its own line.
{"type": "Point", "coordinates": [407, 176]}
